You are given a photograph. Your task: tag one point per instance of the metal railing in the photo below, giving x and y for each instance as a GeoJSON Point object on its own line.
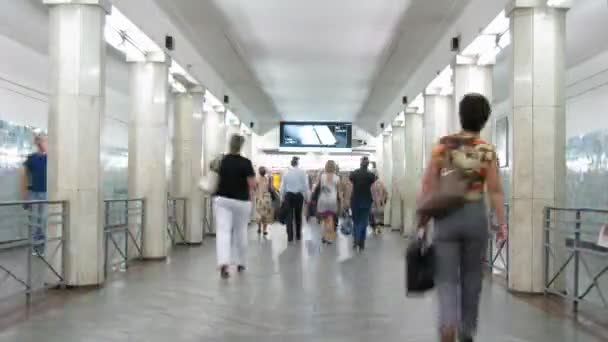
{"type": "Point", "coordinates": [497, 257]}
{"type": "Point", "coordinates": [36, 261]}
{"type": "Point", "coordinates": [575, 266]}
{"type": "Point", "coordinates": [123, 232]}
{"type": "Point", "coordinates": [176, 219]}
{"type": "Point", "coordinates": [208, 228]}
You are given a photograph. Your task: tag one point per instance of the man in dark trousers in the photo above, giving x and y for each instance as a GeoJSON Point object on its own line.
{"type": "Point", "coordinates": [361, 201]}
{"type": "Point", "coordinates": [294, 191]}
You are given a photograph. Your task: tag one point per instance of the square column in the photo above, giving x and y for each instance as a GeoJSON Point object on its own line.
{"type": "Point", "coordinates": [148, 132]}
{"type": "Point", "coordinates": [77, 53]}
{"type": "Point", "coordinates": [538, 160]}
{"type": "Point", "coordinates": [387, 173]}
{"type": "Point", "coordinates": [438, 109]}
{"type": "Point", "coordinates": [398, 177]}
{"type": "Point", "coordinates": [187, 159]}
{"type": "Point", "coordinates": [413, 167]}
{"type": "Point", "coordinates": [472, 78]}
{"type": "Point", "coordinates": [214, 138]}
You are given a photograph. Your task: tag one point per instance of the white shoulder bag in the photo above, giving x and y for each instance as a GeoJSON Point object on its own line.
{"type": "Point", "coordinates": [211, 180]}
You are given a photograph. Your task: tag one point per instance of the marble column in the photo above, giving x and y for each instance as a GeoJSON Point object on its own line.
{"type": "Point", "coordinates": [437, 112]}
{"type": "Point", "coordinates": [187, 151]}
{"type": "Point", "coordinates": [387, 173]}
{"type": "Point", "coordinates": [414, 132]}
{"type": "Point", "coordinates": [398, 173]}
{"type": "Point", "coordinates": [77, 52]}
{"type": "Point", "coordinates": [214, 138]}
{"type": "Point", "coordinates": [148, 131]}
{"type": "Point", "coordinates": [471, 78]}
{"type": "Point", "coordinates": [538, 159]}
{"type": "Point", "coordinates": [247, 147]}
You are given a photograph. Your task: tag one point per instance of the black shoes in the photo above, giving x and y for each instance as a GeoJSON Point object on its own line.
{"type": "Point", "coordinates": [240, 268]}
{"type": "Point", "coordinates": [224, 272]}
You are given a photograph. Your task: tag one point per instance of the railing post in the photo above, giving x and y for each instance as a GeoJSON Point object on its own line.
{"type": "Point", "coordinates": [577, 239]}
{"type": "Point", "coordinates": [126, 233]}
{"type": "Point", "coordinates": [28, 281]}
{"type": "Point", "coordinates": [105, 239]}
{"type": "Point", "coordinates": [142, 228]}
{"type": "Point", "coordinates": [65, 231]}
{"type": "Point", "coordinates": [506, 245]}
{"type": "Point", "coordinates": [185, 220]}
{"type": "Point", "coordinates": [547, 235]}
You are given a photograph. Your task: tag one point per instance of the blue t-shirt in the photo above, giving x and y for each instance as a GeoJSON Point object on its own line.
{"type": "Point", "coordinates": [35, 164]}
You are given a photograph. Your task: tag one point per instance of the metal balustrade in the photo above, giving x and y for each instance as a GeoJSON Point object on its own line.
{"type": "Point", "coordinates": [575, 266]}
{"type": "Point", "coordinates": [37, 261]}
{"type": "Point", "coordinates": [176, 219]}
{"type": "Point", "coordinates": [208, 228]}
{"type": "Point", "coordinates": [123, 232]}
{"type": "Point", "coordinates": [497, 258]}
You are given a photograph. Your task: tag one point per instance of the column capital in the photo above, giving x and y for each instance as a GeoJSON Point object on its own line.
{"type": "Point", "coordinates": [411, 111]}
{"type": "Point", "coordinates": [105, 4]}
{"type": "Point", "coordinates": [153, 57]}
{"type": "Point", "coordinates": [197, 90]}
{"type": "Point", "coordinates": [558, 4]}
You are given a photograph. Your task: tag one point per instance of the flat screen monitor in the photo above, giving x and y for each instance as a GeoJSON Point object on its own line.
{"type": "Point", "coordinates": [316, 134]}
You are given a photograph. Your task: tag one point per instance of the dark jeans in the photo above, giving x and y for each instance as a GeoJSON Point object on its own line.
{"type": "Point", "coordinates": [360, 221]}
{"type": "Point", "coordinates": [295, 202]}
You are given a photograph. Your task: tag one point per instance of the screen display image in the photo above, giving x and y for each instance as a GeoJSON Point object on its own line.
{"type": "Point", "coordinates": [316, 134]}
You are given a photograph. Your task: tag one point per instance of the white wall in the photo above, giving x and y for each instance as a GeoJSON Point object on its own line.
{"type": "Point", "coordinates": [24, 77]}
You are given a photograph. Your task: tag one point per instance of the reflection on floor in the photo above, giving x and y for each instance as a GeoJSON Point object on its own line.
{"type": "Point", "coordinates": [300, 292]}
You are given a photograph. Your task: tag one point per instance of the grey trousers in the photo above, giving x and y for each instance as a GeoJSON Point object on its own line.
{"type": "Point", "coordinates": [460, 242]}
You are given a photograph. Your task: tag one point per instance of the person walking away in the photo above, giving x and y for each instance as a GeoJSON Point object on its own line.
{"type": "Point", "coordinates": [461, 236]}
{"type": "Point", "coordinates": [379, 197]}
{"type": "Point", "coordinates": [361, 202]}
{"type": "Point", "coordinates": [232, 207]}
{"type": "Point", "coordinates": [327, 205]}
{"type": "Point", "coordinates": [263, 202]}
{"type": "Point", "coordinates": [294, 190]}
{"type": "Point", "coordinates": [33, 188]}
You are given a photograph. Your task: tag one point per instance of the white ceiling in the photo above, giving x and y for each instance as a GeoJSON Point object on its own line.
{"type": "Point", "coordinates": [306, 60]}
{"type": "Point", "coordinates": [315, 59]}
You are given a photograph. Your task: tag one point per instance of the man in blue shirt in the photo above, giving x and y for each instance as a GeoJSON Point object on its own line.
{"type": "Point", "coordinates": [33, 188]}
{"type": "Point", "coordinates": [361, 201]}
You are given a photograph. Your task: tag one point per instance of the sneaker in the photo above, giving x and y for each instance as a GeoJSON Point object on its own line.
{"type": "Point", "coordinates": [240, 268]}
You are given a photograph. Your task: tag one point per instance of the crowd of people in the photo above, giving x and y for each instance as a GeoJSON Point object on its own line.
{"type": "Point", "coordinates": [329, 197]}
{"type": "Point", "coordinates": [460, 235]}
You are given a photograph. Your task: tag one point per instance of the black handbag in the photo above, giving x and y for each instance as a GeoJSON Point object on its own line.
{"type": "Point", "coordinates": [419, 267]}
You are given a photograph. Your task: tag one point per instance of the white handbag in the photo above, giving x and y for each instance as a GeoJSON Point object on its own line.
{"type": "Point", "coordinates": [209, 182]}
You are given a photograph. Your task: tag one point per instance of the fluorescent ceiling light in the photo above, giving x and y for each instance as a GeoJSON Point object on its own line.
{"type": "Point", "coordinates": [442, 84]}
{"type": "Point", "coordinates": [480, 45]}
{"type": "Point", "coordinates": [418, 103]}
{"type": "Point", "coordinates": [559, 3]}
{"type": "Point", "coordinates": [176, 69]}
{"type": "Point", "coordinates": [498, 26]}
{"type": "Point", "coordinates": [177, 87]}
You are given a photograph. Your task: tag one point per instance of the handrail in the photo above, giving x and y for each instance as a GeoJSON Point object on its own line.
{"type": "Point", "coordinates": [569, 252]}
{"type": "Point", "coordinates": [16, 203]}
{"type": "Point", "coordinates": [177, 220]}
{"type": "Point", "coordinates": [45, 225]}
{"type": "Point", "coordinates": [123, 232]}
{"type": "Point", "coordinates": [115, 200]}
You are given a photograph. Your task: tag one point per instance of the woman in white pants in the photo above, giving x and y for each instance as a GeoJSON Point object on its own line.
{"type": "Point", "coordinates": [232, 207]}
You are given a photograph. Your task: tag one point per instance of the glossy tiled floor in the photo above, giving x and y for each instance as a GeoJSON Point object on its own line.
{"type": "Point", "coordinates": [304, 292]}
